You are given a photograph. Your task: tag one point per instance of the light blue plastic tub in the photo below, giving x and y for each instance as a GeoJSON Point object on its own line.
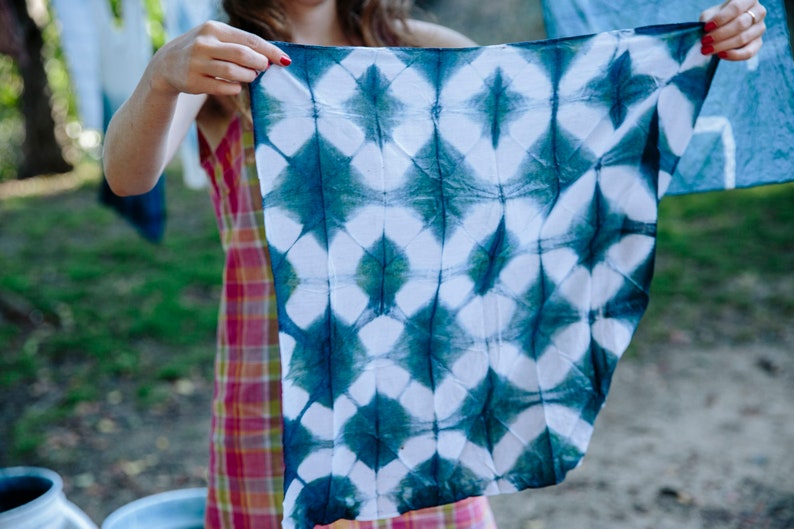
{"type": "Point", "coordinates": [176, 509]}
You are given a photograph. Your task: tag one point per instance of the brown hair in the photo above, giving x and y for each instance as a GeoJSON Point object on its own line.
{"type": "Point", "coordinates": [364, 22]}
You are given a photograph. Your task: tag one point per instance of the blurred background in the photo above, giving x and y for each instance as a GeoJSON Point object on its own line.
{"type": "Point", "coordinates": [107, 340]}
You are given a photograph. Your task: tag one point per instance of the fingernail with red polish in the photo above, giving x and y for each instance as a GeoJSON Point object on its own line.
{"type": "Point", "coordinates": [285, 61]}
{"type": "Point", "coordinates": [707, 50]}
{"type": "Point", "coordinates": [711, 26]}
{"type": "Point", "coordinates": [723, 55]}
{"type": "Point", "coordinates": [708, 39]}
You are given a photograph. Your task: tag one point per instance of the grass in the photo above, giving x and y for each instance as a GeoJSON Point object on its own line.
{"type": "Point", "coordinates": [90, 305]}
{"type": "Point", "coordinates": [724, 269]}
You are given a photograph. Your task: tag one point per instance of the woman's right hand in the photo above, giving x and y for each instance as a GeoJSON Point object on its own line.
{"type": "Point", "coordinates": [213, 58]}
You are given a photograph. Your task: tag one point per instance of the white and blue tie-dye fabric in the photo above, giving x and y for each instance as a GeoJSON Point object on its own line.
{"type": "Point", "coordinates": [462, 243]}
{"type": "Point", "coordinates": [737, 143]}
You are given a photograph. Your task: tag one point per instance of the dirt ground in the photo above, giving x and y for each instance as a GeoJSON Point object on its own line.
{"type": "Point", "coordinates": [690, 438]}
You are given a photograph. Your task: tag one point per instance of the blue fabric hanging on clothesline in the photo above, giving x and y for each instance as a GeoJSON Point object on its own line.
{"type": "Point", "coordinates": [180, 17]}
{"type": "Point", "coordinates": [745, 132]}
{"type": "Point", "coordinates": [105, 62]}
{"type": "Point", "coordinates": [462, 244]}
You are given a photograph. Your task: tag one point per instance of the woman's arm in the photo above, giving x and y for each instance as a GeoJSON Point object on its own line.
{"type": "Point", "coordinates": [144, 134]}
{"type": "Point", "coordinates": [734, 29]}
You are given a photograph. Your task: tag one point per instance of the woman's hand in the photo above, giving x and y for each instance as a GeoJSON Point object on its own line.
{"type": "Point", "coordinates": [734, 29]}
{"type": "Point", "coordinates": [213, 58]}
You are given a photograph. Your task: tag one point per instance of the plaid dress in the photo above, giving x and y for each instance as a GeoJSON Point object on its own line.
{"type": "Point", "coordinates": [246, 459]}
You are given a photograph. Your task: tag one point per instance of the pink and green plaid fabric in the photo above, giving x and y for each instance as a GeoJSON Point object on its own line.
{"type": "Point", "coordinates": [246, 460]}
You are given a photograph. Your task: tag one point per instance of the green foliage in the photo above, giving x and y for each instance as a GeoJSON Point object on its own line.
{"type": "Point", "coordinates": [155, 23]}
{"type": "Point", "coordinates": [11, 87]}
{"type": "Point", "coordinates": [63, 98]}
{"type": "Point", "coordinates": [64, 104]}
{"type": "Point", "coordinates": [11, 126]}
{"type": "Point", "coordinates": [12, 131]}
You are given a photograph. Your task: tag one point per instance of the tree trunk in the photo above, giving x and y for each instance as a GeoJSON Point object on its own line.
{"type": "Point", "coordinates": [41, 153]}
{"type": "Point", "coordinates": [10, 41]}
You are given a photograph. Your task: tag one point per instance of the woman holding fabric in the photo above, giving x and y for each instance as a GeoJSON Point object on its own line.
{"type": "Point", "coordinates": [200, 77]}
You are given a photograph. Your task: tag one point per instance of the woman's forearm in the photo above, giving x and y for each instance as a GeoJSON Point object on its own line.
{"type": "Point", "coordinates": [143, 136]}
{"type": "Point", "coordinates": [211, 59]}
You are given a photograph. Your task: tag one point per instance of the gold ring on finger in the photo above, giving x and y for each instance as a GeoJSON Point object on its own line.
{"type": "Point", "coordinates": [752, 15]}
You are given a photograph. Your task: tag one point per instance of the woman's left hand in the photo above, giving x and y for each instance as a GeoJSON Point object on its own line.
{"type": "Point", "coordinates": [734, 29]}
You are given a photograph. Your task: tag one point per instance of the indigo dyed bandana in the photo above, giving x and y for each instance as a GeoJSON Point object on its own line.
{"type": "Point", "coordinates": [745, 131]}
{"type": "Point", "coordinates": [462, 243]}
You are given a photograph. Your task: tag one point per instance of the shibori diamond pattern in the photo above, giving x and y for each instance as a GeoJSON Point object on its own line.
{"type": "Point", "coordinates": [462, 244]}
